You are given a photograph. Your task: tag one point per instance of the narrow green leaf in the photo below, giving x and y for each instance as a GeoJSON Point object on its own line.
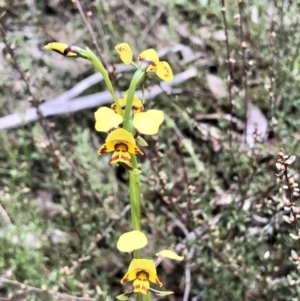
{"type": "Point", "coordinates": [122, 297]}
{"type": "Point", "coordinates": [141, 141]}
{"type": "Point", "coordinates": [135, 171]}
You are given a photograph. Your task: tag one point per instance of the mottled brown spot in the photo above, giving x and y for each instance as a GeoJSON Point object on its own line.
{"type": "Point", "coordinates": [139, 287]}
{"type": "Point", "coordinates": [67, 50]}
{"type": "Point", "coordinates": [124, 158]}
{"type": "Point", "coordinates": [121, 147]}
{"type": "Point", "coordinates": [150, 64]}
{"type": "Point", "coordinates": [137, 151]}
{"type": "Point", "coordinates": [138, 109]}
{"type": "Point", "coordinates": [115, 158]}
{"type": "Point", "coordinates": [142, 275]}
{"type": "Point", "coordinates": [120, 49]}
{"type": "Point", "coordinates": [102, 150]}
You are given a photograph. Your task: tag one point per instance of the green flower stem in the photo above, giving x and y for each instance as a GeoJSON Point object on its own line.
{"type": "Point", "coordinates": [134, 180]}
{"type": "Point", "coordinates": [99, 66]}
{"type": "Point", "coordinates": [137, 77]}
{"type": "Point", "coordinates": [148, 297]}
{"type": "Point", "coordinates": [80, 52]}
{"type": "Point", "coordinates": [135, 201]}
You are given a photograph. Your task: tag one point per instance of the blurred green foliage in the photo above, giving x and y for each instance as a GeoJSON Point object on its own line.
{"type": "Point", "coordinates": [217, 202]}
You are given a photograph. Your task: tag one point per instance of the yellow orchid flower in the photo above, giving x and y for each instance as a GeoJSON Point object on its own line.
{"type": "Point", "coordinates": [106, 119]}
{"type": "Point", "coordinates": [148, 60]}
{"type": "Point", "coordinates": [141, 271]}
{"type": "Point", "coordinates": [146, 123]}
{"type": "Point", "coordinates": [122, 144]}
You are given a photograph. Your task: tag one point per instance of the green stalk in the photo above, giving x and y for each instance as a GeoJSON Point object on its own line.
{"type": "Point", "coordinates": [135, 201]}
{"type": "Point", "coordinates": [99, 66]}
{"type": "Point", "coordinates": [137, 77]}
{"type": "Point", "coordinates": [134, 180]}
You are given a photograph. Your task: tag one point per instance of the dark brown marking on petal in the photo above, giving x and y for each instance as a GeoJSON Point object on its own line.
{"type": "Point", "coordinates": [115, 158]}
{"type": "Point", "coordinates": [137, 109]}
{"type": "Point", "coordinates": [121, 49]}
{"type": "Point", "coordinates": [140, 287]}
{"type": "Point", "coordinates": [137, 151]}
{"type": "Point", "coordinates": [142, 273]}
{"type": "Point", "coordinates": [124, 158]}
{"type": "Point", "coordinates": [67, 50]}
{"type": "Point", "coordinates": [58, 51]}
{"type": "Point", "coordinates": [125, 279]}
{"type": "Point", "coordinates": [150, 63]}
{"type": "Point", "coordinates": [102, 150]}
{"type": "Point", "coordinates": [121, 147]}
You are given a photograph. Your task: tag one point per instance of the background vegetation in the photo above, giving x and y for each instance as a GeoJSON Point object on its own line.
{"type": "Point", "coordinates": [207, 193]}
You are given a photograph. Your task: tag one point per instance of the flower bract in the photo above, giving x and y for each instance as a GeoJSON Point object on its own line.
{"type": "Point", "coordinates": [141, 271]}
{"type": "Point", "coordinates": [122, 144]}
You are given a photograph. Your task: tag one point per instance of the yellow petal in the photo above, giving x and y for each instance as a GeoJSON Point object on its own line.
{"type": "Point", "coordinates": [119, 156]}
{"type": "Point", "coordinates": [106, 119]}
{"type": "Point", "coordinates": [133, 149]}
{"type": "Point", "coordinates": [141, 286]}
{"type": "Point", "coordinates": [137, 105]}
{"type": "Point", "coordinates": [131, 241]}
{"type": "Point", "coordinates": [61, 48]}
{"type": "Point", "coordinates": [164, 71]}
{"type": "Point", "coordinates": [125, 53]}
{"type": "Point", "coordinates": [122, 103]}
{"type": "Point", "coordinates": [169, 254]}
{"type": "Point", "coordinates": [106, 148]}
{"type": "Point", "coordinates": [149, 58]}
{"type": "Point", "coordinates": [120, 135]}
{"type": "Point", "coordinates": [148, 122]}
